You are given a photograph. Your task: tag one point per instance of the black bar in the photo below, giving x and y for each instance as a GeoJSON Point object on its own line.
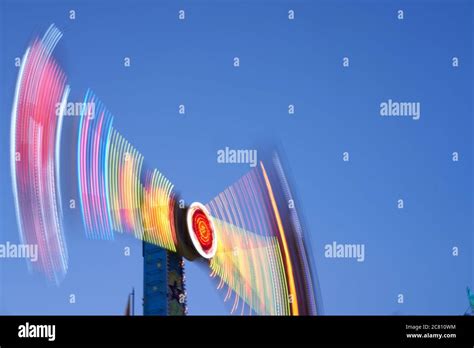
{"type": "Point", "coordinates": [329, 330]}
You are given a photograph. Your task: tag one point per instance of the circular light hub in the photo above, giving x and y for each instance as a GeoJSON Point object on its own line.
{"type": "Point", "coordinates": [201, 230]}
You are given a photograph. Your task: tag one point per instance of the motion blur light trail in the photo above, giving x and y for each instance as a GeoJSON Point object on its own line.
{"type": "Point", "coordinates": [249, 235]}
{"type": "Point", "coordinates": [252, 267]}
{"type": "Point", "coordinates": [159, 204]}
{"type": "Point", "coordinates": [35, 137]}
{"type": "Point", "coordinates": [262, 255]}
{"type": "Point", "coordinates": [110, 176]}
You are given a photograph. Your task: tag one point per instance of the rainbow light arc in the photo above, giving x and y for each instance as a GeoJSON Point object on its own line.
{"type": "Point", "coordinates": [117, 193]}
{"type": "Point", "coordinates": [261, 258]}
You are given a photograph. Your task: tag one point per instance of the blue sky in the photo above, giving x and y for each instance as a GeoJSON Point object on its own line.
{"type": "Point", "coordinates": [283, 62]}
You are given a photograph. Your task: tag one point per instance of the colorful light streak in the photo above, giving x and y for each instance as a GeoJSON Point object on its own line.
{"type": "Point", "coordinates": [34, 142]}
{"type": "Point", "coordinates": [117, 193]}
{"type": "Point", "coordinates": [255, 258]}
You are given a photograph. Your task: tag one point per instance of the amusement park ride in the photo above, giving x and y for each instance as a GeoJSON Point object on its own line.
{"type": "Point", "coordinates": [249, 236]}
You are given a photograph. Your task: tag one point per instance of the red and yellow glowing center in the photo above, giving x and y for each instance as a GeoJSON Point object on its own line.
{"type": "Point", "coordinates": [202, 229]}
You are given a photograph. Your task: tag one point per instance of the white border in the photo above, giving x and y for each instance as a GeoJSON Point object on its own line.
{"type": "Point", "coordinates": [189, 220]}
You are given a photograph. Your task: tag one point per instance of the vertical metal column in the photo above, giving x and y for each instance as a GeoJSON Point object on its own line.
{"type": "Point", "coordinates": [163, 282]}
